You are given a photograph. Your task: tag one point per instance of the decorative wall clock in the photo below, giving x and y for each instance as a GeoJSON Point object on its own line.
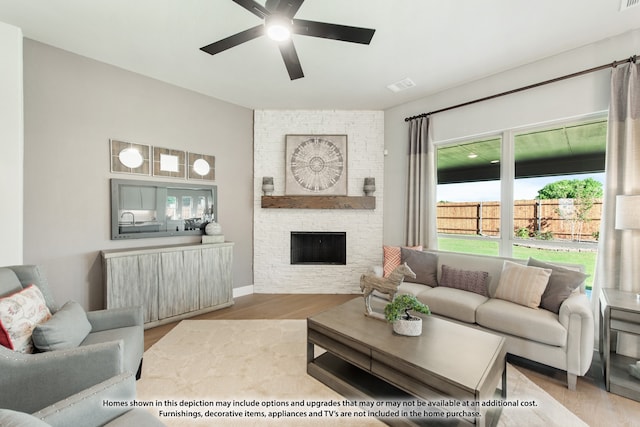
{"type": "Point", "coordinates": [316, 165]}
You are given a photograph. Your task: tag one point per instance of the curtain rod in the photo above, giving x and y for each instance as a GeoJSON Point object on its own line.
{"type": "Point", "coordinates": [532, 86]}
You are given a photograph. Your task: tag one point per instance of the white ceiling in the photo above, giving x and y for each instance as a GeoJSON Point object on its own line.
{"type": "Point", "coordinates": [437, 43]}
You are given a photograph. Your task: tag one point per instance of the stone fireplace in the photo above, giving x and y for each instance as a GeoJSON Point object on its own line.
{"type": "Point", "coordinates": [273, 270]}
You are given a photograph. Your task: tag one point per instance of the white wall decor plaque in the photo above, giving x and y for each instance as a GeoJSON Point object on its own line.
{"type": "Point", "coordinates": [128, 157]}
{"type": "Point", "coordinates": [316, 165]}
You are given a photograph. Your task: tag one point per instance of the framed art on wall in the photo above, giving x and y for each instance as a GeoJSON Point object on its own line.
{"type": "Point", "coordinates": [127, 157]}
{"type": "Point", "coordinates": [316, 165]}
{"type": "Point", "coordinates": [168, 162]}
{"type": "Point", "coordinates": [201, 167]}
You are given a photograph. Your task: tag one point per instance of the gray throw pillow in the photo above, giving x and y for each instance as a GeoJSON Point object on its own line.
{"type": "Point", "coordinates": [562, 282]}
{"type": "Point", "coordinates": [467, 280]}
{"type": "Point", "coordinates": [424, 264]}
{"type": "Point", "coordinates": [67, 328]}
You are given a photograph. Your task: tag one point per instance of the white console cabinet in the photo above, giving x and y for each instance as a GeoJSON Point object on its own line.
{"type": "Point", "coordinates": [169, 282]}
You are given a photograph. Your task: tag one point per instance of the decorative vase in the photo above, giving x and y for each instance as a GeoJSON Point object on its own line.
{"type": "Point", "coordinates": [369, 186]}
{"type": "Point", "coordinates": [212, 228]}
{"type": "Point", "coordinates": [267, 185]}
{"type": "Point", "coordinates": [410, 328]}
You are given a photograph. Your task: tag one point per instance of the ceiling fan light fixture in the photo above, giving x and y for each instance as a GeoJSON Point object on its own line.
{"type": "Point", "coordinates": [278, 28]}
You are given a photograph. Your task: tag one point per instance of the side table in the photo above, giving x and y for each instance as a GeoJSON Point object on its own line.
{"type": "Point", "coordinates": [619, 312]}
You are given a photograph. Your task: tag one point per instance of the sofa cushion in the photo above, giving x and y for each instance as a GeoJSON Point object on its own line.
{"type": "Point", "coordinates": [424, 264]}
{"type": "Point", "coordinates": [514, 319]}
{"type": "Point", "coordinates": [490, 264]}
{"type": "Point", "coordinates": [411, 288]}
{"type": "Point", "coordinates": [522, 284]}
{"type": "Point", "coordinates": [19, 314]}
{"type": "Point", "coordinates": [67, 328]}
{"type": "Point", "coordinates": [466, 280]}
{"type": "Point", "coordinates": [562, 282]}
{"type": "Point", "coordinates": [392, 258]}
{"type": "Point", "coordinates": [453, 303]}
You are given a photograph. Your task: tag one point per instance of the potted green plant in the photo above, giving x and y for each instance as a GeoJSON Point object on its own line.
{"type": "Point", "coordinates": [398, 313]}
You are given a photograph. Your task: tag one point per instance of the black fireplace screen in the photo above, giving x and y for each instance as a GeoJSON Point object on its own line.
{"type": "Point", "coordinates": [318, 247]}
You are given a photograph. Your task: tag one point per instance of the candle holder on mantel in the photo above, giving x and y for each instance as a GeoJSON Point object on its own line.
{"type": "Point", "coordinates": [267, 185]}
{"type": "Point", "coordinates": [369, 186]}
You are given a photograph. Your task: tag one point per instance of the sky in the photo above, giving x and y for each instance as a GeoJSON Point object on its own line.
{"type": "Point", "coordinates": [524, 189]}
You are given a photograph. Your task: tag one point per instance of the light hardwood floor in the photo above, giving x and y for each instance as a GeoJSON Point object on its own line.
{"type": "Point", "coordinates": [591, 402]}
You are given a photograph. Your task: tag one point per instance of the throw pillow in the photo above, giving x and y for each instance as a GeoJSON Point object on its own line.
{"type": "Point", "coordinates": [19, 315]}
{"type": "Point", "coordinates": [424, 264]}
{"type": "Point", "coordinates": [67, 328]}
{"type": "Point", "coordinates": [467, 280]}
{"type": "Point", "coordinates": [562, 282]}
{"type": "Point", "coordinates": [522, 284]}
{"type": "Point", "coordinates": [392, 258]}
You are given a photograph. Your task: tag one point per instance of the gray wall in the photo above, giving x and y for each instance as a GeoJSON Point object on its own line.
{"type": "Point", "coordinates": [73, 106]}
{"type": "Point", "coordinates": [11, 144]}
{"type": "Point", "coordinates": [570, 98]}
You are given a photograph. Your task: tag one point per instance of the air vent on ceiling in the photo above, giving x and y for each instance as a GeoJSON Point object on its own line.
{"type": "Point", "coordinates": [626, 4]}
{"type": "Point", "coordinates": [403, 84]}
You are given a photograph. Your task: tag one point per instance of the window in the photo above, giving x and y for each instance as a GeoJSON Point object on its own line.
{"type": "Point", "coordinates": [468, 194]}
{"type": "Point", "coordinates": [544, 185]}
{"type": "Point", "coordinates": [559, 177]}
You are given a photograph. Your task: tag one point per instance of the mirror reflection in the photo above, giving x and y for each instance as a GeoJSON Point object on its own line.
{"type": "Point", "coordinates": [153, 209]}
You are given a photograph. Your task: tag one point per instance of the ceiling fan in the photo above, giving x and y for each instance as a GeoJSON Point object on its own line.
{"type": "Point", "coordinates": [279, 24]}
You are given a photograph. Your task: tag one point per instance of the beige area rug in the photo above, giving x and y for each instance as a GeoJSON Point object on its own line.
{"type": "Point", "coordinates": [259, 366]}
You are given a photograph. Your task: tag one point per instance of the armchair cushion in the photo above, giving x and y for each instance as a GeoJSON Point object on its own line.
{"type": "Point", "coordinates": [20, 313]}
{"type": "Point", "coordinates": [67, 328]}
{"type": "Point", "coordinates": [9, 418]}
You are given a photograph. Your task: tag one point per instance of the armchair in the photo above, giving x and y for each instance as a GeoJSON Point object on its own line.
{"type": "Point", "coordinates": [114, 345]}
{"type": "Point", "coordinates": [86, 408]}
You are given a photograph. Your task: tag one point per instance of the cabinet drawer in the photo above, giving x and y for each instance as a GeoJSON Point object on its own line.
{"type": "Point", "coordinates": [627, 316]}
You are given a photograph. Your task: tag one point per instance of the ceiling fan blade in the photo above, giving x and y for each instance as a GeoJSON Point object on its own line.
{"type": "Point", "coordinates": [291, 60]}
{"type": "Point", "coordinates": [234, 40]}
{"type": "Point", "coordinates": [253, 7]}
{"type": "Point", "coordinates": [287, 8]}
{"type": "Point", "coordinates": [333, 31]}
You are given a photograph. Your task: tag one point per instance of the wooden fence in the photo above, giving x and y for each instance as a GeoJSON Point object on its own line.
{"type": "Point", "coordinates": [546, 219]}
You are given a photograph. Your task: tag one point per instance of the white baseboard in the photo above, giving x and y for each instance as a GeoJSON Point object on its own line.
{"type": "Point", "coordinates": [242, 291]}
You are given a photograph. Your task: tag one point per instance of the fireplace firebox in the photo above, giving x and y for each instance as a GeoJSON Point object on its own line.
{"type": "Point", "coordinates": [318, 247]}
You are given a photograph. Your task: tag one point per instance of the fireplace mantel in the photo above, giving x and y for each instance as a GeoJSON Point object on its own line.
{"type": "Point", "coordinates": [319, 202]}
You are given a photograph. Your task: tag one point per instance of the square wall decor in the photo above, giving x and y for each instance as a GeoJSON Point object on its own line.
{"type": "Point", "coordinates": [316, 165]}
{"type": "Point", "coordinates": [127, 157]}
{"type": "Point", "coordinates": [201, 166]}
{"type": "Point", "coordinates": [168, 162]}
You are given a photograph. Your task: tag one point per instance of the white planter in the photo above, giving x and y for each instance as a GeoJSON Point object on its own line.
{"type": "Point", "coordinates": [410, 328]}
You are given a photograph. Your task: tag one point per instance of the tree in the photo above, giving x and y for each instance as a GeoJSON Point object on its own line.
{"type": "Point", "coordinates": [576, 198]}
{"type": "Point", "coordinates": [571, 189]}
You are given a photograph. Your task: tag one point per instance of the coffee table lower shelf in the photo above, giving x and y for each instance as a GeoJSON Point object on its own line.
{"type": "Point", "coordinates": [357, 384]}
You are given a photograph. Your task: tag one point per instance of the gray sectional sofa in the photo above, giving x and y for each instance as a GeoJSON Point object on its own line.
{"type": "Point", "coordinates": [560, 333]}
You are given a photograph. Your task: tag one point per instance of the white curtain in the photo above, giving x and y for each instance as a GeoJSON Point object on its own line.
{"type": "Point", "coordinates": [618, 264]}
{"type": "Point", "coordinates": [421, 186]}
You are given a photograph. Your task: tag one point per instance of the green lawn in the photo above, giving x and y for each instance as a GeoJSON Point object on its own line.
{"type": "Point", "coordinates": [486, 247]}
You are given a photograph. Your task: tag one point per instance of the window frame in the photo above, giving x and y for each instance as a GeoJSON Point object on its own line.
{"type": "Point", "coordinates": [506, 241]}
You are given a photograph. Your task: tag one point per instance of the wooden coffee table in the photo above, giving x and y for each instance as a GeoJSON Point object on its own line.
{"type": "Point", "coordinates": [366, 361]}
